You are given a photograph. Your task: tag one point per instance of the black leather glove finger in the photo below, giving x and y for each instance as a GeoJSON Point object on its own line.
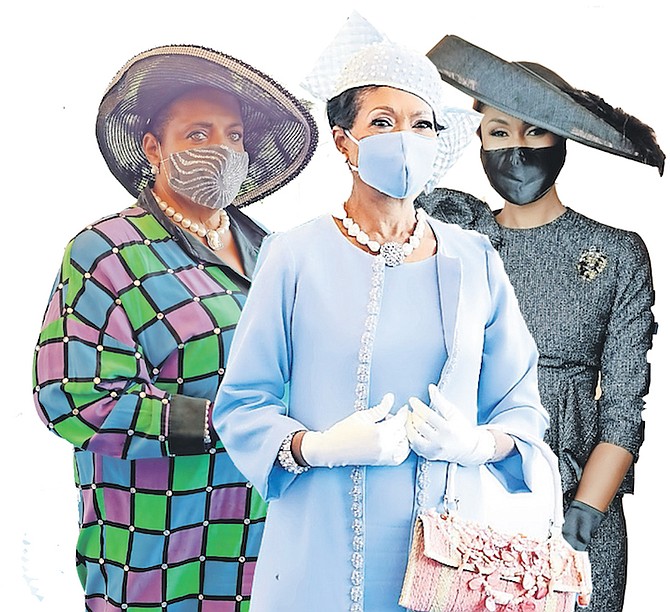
{"type": "Point", "coordinates": [581, 522]}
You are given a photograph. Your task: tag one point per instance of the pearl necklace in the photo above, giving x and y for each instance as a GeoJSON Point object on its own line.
{"type": "Point", "coordinates": [214, 236]}
{"type": "Point", "coordinates": [393, 253]}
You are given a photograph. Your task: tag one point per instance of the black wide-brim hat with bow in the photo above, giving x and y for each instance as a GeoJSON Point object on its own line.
{"type": "Point", "coordinates": [538, 96]}
{"type": "Point", "coordinates": [280, 134]}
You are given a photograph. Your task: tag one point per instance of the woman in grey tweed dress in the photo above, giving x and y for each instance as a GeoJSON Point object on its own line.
{"type": "Point", "coordinates": [584, 288]}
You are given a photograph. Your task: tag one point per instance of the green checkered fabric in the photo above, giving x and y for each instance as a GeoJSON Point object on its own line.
{"type": "Point", "coordinates": [134, 341]}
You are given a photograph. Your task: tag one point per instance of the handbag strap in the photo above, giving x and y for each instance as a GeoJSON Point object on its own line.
{"type": "Point", "coordinates": [451, 501]}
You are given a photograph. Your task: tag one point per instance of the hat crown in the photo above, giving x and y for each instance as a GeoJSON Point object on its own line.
{"type": "Point", "coordinates": [391, 65]}
{"type": "Point", "coordinates": [548, 75]}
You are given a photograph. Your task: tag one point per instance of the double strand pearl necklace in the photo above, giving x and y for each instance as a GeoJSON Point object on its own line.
{"type": "Point", "coordinates": [394, 253]}
{"type": "Point", "coordinates": [214, 236]}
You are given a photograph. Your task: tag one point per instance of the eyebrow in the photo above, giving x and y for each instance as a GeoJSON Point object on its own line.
{"type": "Point", "coordinates": [390, 109]}
{"type": "Point", "coordinates": [505, 122]}
{"type": "Point", "coordinates": [498, 120]}
{"type": "Point", "coordinates": [209, 124]}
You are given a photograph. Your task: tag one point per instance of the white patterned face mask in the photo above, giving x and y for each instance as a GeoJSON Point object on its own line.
{"type": "Point", "coordinates": [210, 176]}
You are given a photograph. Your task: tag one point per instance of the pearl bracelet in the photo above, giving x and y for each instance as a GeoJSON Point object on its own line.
{"type": "Point", "coordinates": [286, 458]}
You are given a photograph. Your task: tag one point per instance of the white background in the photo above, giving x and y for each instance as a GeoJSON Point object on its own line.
{"type": "Point", "coordinates": [57, 59]}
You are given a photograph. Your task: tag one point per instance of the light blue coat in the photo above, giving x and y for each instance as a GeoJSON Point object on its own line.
{"type": "Point", "coordinates": [293, 366]}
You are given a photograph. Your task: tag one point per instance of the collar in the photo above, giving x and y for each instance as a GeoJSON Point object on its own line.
{"type": "Point", "coordinates": [248, 236]}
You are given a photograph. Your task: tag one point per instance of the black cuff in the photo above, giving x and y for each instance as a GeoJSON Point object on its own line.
{"type": "Point", "coordinates": [186, 426]}
{"type": "Point", "coordinates": [581, 522]}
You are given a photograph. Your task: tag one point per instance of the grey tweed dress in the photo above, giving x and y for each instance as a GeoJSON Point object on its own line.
{"type": "Point", "coordinates": [586, 292]}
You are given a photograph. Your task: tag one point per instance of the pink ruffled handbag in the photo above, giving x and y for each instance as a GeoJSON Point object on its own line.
{"type": "Point", "coordinates": [457, 565]}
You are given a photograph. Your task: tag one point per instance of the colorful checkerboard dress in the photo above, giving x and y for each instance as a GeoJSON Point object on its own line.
{"type": "Point", "coordinates": [134, 340]}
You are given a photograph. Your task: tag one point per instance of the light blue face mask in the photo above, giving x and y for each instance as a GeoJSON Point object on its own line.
{"type": "Point", "coordinates": [398, 164]}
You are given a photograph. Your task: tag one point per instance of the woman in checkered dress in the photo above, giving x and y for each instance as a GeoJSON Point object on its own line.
{"type": "Point", "coordinates": [135, 338]}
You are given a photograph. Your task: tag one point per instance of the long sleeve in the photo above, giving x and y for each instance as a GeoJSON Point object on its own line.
{"type": "Point", "coordinates": [105, 341]}
{"type": "Point", "coordinates": [93, 385]}
{"type": "Point", "coordinates": [249, 413]}
{"type": "Point", "coordinates": [508, 396]}
{"type": "Point", "coordinates": [624, 367]}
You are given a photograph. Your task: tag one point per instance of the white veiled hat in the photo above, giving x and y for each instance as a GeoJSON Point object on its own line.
{"type": "Point", "coordinates": [360, 56]}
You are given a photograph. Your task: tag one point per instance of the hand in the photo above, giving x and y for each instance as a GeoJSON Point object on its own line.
{"type": "Point", "coordinates": [443, 434]}
{"type": "Point", "coordinates": [366, 437]}
{"type": "Point", "coordinates": [581, 522]}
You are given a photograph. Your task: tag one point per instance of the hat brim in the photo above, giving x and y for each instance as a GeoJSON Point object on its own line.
{"type": "Point", "coordinates": [279, 132]}
{"type": "Point", "coordinates": [523, 90]}
{"type": "Point", "coordinates": [458, 129]}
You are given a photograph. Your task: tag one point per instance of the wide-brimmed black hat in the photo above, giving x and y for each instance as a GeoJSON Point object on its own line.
{"type": "Point", "coordinates": [280, 134]}
{"type": "Point", "coordinates": [540, 97]}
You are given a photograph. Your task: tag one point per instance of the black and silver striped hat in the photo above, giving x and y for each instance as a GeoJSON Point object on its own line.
{"type": "Point", "coordinates": [280, 134]}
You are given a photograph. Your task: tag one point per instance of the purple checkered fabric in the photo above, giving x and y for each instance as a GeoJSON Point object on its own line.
{"type": "Point", "coordinates": [134, 341]}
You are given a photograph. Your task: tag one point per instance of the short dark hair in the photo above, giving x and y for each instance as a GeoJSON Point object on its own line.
{"type": "Point", "coordinates": [343, 108]}
{"type": "Point", "coordinates": [156, 125]}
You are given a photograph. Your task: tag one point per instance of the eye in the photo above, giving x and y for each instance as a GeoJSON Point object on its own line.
{"type": "Point", "coordinates": [536, 131]}
{"type": "Point", "coordinates": [498, 133]}
{"type": "Point", "coordinates": [197, 135]}
{"type": "Point", "coordinates": [382, 122]}
{"type": "Point", "coordinates": [236, 136]}
{"type": "Point", "coordinates": [424, 124]}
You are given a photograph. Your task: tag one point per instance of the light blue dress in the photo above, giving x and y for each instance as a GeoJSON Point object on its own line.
{"type": "Point", "coordinates": [337, 539]}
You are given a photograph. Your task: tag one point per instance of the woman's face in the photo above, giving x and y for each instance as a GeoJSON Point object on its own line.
{"type": "Point", "coordinates": [199, 118]}
{"type": "Point", "coordinates": [386, 109]}
{"type": "Point", "coordinates": [502, 131]}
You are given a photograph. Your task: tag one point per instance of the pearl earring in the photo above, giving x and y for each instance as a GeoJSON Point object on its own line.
{"type": "Point", "coordinates": [154, 170]}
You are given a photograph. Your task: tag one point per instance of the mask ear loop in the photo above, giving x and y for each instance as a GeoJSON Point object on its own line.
{"type": "Point", "coordinates": [161, 159]}
{"type": "Point", "coordinates": [162, 162]}
{"type": "Point", "coordinates": [350, 136]}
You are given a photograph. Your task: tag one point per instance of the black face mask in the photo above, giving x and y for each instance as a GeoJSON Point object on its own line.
{"type": "Point", "coordinates": [522, 175]}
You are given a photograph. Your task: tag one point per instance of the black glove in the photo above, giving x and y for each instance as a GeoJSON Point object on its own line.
{"type": "Point", "coordinates": [581, 522]}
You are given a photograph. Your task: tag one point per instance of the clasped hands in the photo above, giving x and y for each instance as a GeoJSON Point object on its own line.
{"type": "Point", "coordinates": [375, 437]}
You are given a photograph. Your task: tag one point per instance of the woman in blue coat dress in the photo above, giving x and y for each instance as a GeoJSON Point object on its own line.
{"type": "Point", "coordinates": [373, 350]}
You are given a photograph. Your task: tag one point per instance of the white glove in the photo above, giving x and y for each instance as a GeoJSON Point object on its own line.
{"type": "Point", "coordinates": [366, 437]}
{"type": "Point", "coordinates": [444, 434]}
